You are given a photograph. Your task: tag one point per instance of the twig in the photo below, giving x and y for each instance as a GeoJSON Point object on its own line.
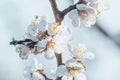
{"type": "Point", "coordinates": [70, 8]}
{"type": "Point", "coordinates": [59, 15]}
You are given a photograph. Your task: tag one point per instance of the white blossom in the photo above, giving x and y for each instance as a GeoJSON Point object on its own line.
{"type": "Point", "coordinates": [49, 53]}
{"type": "Point", "coordinates": [28, 71]}
{"type": "Point", "coordinates": [37, 76]}
{"type": "Point", "coordinates": [89, 56]}
{"type": "Point", "coordinates": [61, 70]}
{"type": "Point", "coordinates": [67, 77]}
{"type": "Point", "coordinates": [31, 29]}
{"type": "Point", "coordinates": [52, 29]}
{"type": "Point", "coordinates": [55, 28]}
{"type": "Point", "coordinates": [30, 32]}
{"type": "Point", "coordinates": [74, 70]}
{"type": "Point", "coordinates": [42, 25]}
{"type": "Point", "coordinates": [74, 65]}
{"type": "Point", "coordinates": [41, 45]}
{"type": "Point", "coordinates": [80, 52]}
{"type": "Point", "coordinates": [100, 5]}
{"type": "Point", "coordinates": [77, 76]}
{"type": "Point", "coordinates": [23, 51]}
{"type": "Point", "coordinates": [34, 73]}
{"type": "Point", "coordinates": [32, 37]}
{"type": "Point", "coordinates": [38, 70]}
{"type": "Point", "coordinates": [91, 0]}
{"type": "Point", "coordinates": [86, 13]}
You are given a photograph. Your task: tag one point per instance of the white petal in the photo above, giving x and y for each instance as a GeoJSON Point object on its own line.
{"type": "Point", "coordinates": [73, 14]}
{"type": "Point", "coordinates": [51, 74]}
{"type": "Point", "coordinates": [37, 64]}
{"type": "Point", "coordinates": [103, 5]}
{"type": "Point", "coordinates": [58, 49]}
{"type": "Point", "coordinates": [89, 56]}
{"type": "Point", "coordinates": [79, 76]}
{"type": "Point", "coordinates": [28, 72]}
{"type": "Point", "coordinates": [67, 77]}
{"type": "Point", "coordinates": [70, 48]}
{"type": "Point", "coordinates": [91, 1]}
{"type": "Point", "coordinates": [49, 54]}
{"type": "Point", "coordinates": [31, 29]}
{"type": "Point", "coordinates": [61, 70]}
{"type": "Point", "coordinates": [58, 39]}
{"type": "Point", "coordinates": [82, 47]}
{"type": "Point", "coordinates": [72, 63]}
{"type": "Point", "coordinates": [76, 22]}
{"type": "Point", "coordinates": [89, 20]}
{"type": "Point", "coordinates": [37, 76]}
{"type": "Point", "coordinates": [53, 29]}
{"type": "Point", "coordinates": [32, 37]}
{"type": "Point", "coordinates": [82, 7]}
{"type": "Point", "coordinates": [23, 51]}
{"type": "Point", "coordinates": [41, 44]}
{"type": "Point", "coordinates": [42, 25]}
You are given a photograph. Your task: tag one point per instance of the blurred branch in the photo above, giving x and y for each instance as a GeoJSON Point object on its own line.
{"type": "Point", "coordinates": [46, 77]}
{"type": "Point", "coordinates": [107, 34]}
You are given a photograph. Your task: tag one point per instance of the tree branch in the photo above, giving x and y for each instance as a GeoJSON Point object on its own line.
{"type": "Point", "coordinates": [107, 34]}
{"type": "Point", "coordinates": [59, 59]}
{"type": "Point", "coordinates": [55, 10]}
{"type": "Point", "coordinates": [59, 15]}
{"type": "Point", "coordinates": [70, 8]}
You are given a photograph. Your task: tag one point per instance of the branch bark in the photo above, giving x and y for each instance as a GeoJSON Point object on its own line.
{"type": "Point", "coordinates": [59, 15]}
{"type": "Point", "coordinates": [70, 8]}
{"type": "Point", "coordinates": [56, 11]}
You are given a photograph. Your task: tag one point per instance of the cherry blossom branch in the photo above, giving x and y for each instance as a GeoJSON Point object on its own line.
{"type": "Point", "coordinates": [27, 42]}
{"type": "Point", "coordinates": [70, 8]}
{"type": "Point", "coordinates": [59, 15]}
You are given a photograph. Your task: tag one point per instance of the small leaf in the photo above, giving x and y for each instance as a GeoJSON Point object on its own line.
{"type": "Point", "coordinates": [13, 42]}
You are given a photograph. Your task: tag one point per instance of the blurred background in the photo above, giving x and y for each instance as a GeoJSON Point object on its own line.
{"type": "Point", "coordinates": [103, 38]}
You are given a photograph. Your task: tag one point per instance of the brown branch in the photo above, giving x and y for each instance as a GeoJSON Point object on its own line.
{"type": "Point", "coordinates": [59, 59]}
{"type": "Point", "coordinates": [70, 8]}
{"type": "Point", "coordinates": [59, 15]}
{"type": "Point", "coordinates": [55, 10]}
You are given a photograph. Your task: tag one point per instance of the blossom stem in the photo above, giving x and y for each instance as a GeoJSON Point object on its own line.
{"type": "Point", "coordinates": [59, 15]}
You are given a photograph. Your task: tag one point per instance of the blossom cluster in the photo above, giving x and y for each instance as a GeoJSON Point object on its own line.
{"type": "Point", "coordinates": [35, 72]}
{"type": "Point", "coordinates": [49, 39]}
{"type": "Point", "coordinates": [42, 37]}
{"type": "Point", "coordinates": [74, 68]}
{"type": "Point", "coordinates": [87, 12]}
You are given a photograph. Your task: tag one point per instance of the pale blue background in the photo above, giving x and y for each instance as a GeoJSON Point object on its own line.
{"type": "Point", "coordinates": [15, 15]}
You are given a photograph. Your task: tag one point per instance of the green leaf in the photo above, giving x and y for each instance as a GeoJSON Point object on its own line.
{"type": "Point", "coordinates": [13, 42]}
